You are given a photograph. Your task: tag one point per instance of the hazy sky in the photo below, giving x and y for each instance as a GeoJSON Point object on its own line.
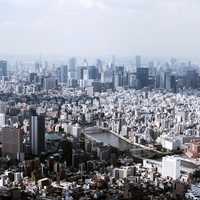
{"type": "Point", "coordinates": [100, 27]}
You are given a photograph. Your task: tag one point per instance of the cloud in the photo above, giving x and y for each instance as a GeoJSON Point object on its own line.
{"type": "Point", "coordinates": [100, 26]}
{"type": "Point", "coordinates": [96, 4]}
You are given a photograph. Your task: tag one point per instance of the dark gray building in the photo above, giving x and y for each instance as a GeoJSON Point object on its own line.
{"type": "Point", "coordinates": [64, 74]}
{"type": "Point", "coordinates": [138, 61]}
{"type": "Point", "coordinates": [11, 140]}
{"type": "Point", "coordinates": [142, 76]}
{"type": "Point", "coordinates": [3, 69]}
{"type": "Point", "coordinates": [37, 134]}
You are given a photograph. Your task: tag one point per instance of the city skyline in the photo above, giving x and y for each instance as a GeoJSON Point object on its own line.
{"type": "Point", "coordinates": [100, 99]}
{"type": "Point", "coordinates": [99, 27]}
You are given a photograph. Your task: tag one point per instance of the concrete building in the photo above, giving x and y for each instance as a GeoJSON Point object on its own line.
{"type": "Point", "coordinates": [37, 134]}
{"type": "Point", "coordinates": [171, 166]}
{"type": "Point", "coordinates": [11, 139]}
{"type": "Point", "coordinates": [3, 69]}
{"type": "Point", "coordinates": [2, 120]}
{"type": "Point", "coordinates": [193, 149]}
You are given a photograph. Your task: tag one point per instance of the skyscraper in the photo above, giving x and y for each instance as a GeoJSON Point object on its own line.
{"type": "Point", "coordinates": [191, 79]}
{"type": "Point", "coordinates": [64, 74]}
{"type": "Point", "coordinates": [3, 69]}
{"type": "Point", "coordinates": [50, 83]}
{"type": "Point", "coordinates": [138, 61]}
{"type": "Point", "coordinates": [37, 134]}
{"type": "Point", "coordinates": [37, 67]}
{"type": "Point", "coordinates": [171, 167]}
{"type": "Point", "coordinates": [142, 76]}
{"type": "Point", "coordinates": [119, 76]}
{"type": "Point", "coordinates": [11, 139]}
{"type": "Point", "coordinates": [72, 68]}
{"type": "Point", "coordinates": [2, 120]}
{"type": "Point", "coordinates": [93, 73]}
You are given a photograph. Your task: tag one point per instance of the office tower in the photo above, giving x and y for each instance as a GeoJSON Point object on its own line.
{"type": "Point", "coordinates": [73, 83]}
{"type": "Point", "coordinates": [3, 69]}
{"type": "Point", "coordinates": [132, 80]}
{"type": "Point", "coordinates": [191, 79]}
{"type": "Point", "coordinates": [67, 147]}
{"type": "Point", "coordinates": [2, 120]}
{"type": "Point", "coordinates": [3, 107]}
{"type": "Point", "coordinates": [33, 78]}
{"type": "Point", "coordinates": [58, 74]}
{"type": "Point", "coordinates": [99, 65]}
{"type": "Point", "coordinates": [113, 62]}
{"type": "Point", "coordinates": [81, 70]}
{"type": "Point", "coordinates": [64, 74]}
{"type": "Point", "coordinates": [93, 73]}
{"type": "Point", "coordinates": [85, 74]}
{"type": "Point", "coordinates": [11, 139]}
{"type": "Point", "coordinates": [76, 131]}
{"type": "Point", "coordinates": [37, 67]}
{"type": "Point", "coordinates": [107, 76]}
{"type": "Point", "coordinates": [157, 80]}
{"type": "Point", "coordinates": [49, 83]}
{"type": "Point", "coordinates": [142, 76]}
{"type": "Point", "coordinates": [72, 68]}
{"type": "Point", "coordinates": [37, 134]}
{"type": "Point", "coordinates": [173, 84]}
{"type": "Point", "coordinates": [118, 81]}
{"type": "Point", "coordinates": [138, 61]}
{"type": "Point", "coordinates": [171, 166]}
{"type": "Point", "coordinates": [119, 76]}
{"type": "Point", "coordinates": [79, 74]}
{"type": "Point", "coordinates": [126, 79]}
{"type": "Point", "coordinates": [162, 79]}
{"type": "Point", "coordinates": [168, 80]}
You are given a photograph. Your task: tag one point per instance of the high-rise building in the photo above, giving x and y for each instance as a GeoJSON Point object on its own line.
{"type": "Point", "coordinates": [3, 69]}
{"type": "Point", "coordinates": [171, 166]}
{"type": "Point", "coordinates": [3, 107]}
{"type": "Point", "coordinates": [64, 73]}
{"type": "Point", "coordinates": [37, 134]}
{"type": "Point", "coordinates": [99, 65]}
{"type": "Point", "coordinates": [191, 79]}
{"type": "Point", "coordinates": [58, 74]}
{"type": "Point", "coordinates": [2, 120]}
{"type": "Point", "coordinates": [37, 67]}
{"type": "Point", "coordinates": [33, 78]}
{"type": "Point", "coordinates": [142, 76]}
{"type": "Point", "coordinates": [50, 83]}
{"type": "Point", "coordinates": [173, 84]}
{"type": "Point", "coordinates": [119, 76]}
{"type": "Point", "coordinates": [11, 139]}
{"type": "Point", "coordinates": [107, 76]}
{"type": "Point", "coordinates": [85, 74]}
{"type": "Point", "coordinates": [132, 80]}
{"type": "Point", "coordinates": [138, 61]}
{"type": "Point", "coordinates": [72, 68]}
{"type": "Point", "coordinates": [167, 81]}
{"type": "Point", "coordinates": [93, 73]}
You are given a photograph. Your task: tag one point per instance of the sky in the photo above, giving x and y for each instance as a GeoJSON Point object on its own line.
{"type": "Point", "coordinates": [100, 27]}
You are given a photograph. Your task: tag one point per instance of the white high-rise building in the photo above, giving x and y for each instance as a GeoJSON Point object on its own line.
{"type": "Point", "coordinates": [171, 166]}
{"type": "Point", "coordinates": [76, 130]}
{"type": "Point", "coordinates": [2, 120]}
